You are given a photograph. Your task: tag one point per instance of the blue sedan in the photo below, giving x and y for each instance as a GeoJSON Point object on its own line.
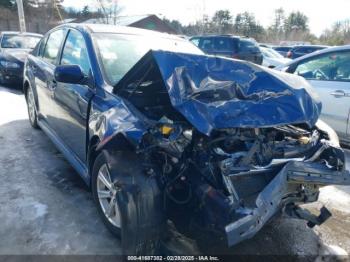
{"type": "Point", "coordinates": [160, 131]}
{"type": "Point", "coordinates": [14, 48]}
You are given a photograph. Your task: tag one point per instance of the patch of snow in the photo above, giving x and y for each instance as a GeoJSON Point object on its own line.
{"type": "Point", "coordinates": [336, 198]}
{"type": "Point", "coordinates": [40, 209]}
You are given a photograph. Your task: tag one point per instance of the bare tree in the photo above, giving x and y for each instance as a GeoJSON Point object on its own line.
{"type": "Point", "coordinates": [110, 10]}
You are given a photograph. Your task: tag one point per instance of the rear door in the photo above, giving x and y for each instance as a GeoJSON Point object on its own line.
{"type": "Point", "coordinates": [72, 100]}
{"type": "Point", "coordinates": [225, 46]}
{"type": "Point", "coordinates": [206, 44]}
{"type": "Point", "coordinates": [329, 74]}
{"type": "Point", "coordinates": [248, 50]}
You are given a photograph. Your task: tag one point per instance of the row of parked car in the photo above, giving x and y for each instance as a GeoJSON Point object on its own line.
{"type": "Point", "coordinates": [161, 131]}
{"type": "Point", "coordinates": [248, 49]}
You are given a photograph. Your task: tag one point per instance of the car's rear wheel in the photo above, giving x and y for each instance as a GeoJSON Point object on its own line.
{"type": "Point", "coordinates": [32, 114]}
{"type": "Point", "coordinates": [129, 202]}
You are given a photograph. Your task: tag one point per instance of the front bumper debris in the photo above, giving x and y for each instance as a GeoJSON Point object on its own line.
{"type": "Point", "coordinates": [273, 198]}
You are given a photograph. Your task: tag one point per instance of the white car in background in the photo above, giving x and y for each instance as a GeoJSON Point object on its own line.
{"type": "Point", "coordinates": [271, 58]}
{"type": "Point", "coordinates": [328, 71]}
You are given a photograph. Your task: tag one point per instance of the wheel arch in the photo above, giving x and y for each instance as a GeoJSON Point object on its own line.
{"type": "Point", "coordinates": [26, 85]}
{"type": "Point", "coordinates": [117, 142]}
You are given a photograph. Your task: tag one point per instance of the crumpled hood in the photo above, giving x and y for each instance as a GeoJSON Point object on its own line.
{"type": "Point", "coordinates": [217, 93]}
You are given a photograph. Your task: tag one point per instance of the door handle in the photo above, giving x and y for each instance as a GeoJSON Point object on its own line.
{"type": "Point", "coordinates": [52, 85]}
{"type": "Point", "coordinates": [338, 93]}
{"type": "Point", "coordinates": [34, 69]}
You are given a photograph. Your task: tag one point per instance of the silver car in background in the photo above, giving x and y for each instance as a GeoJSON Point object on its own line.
{"type": "Point", "coordinates": [328, 71]}
{"type": "Point", "coordinates": [272, 58]}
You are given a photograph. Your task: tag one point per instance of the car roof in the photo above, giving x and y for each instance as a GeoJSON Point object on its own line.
{"type": "Point", "coordinates": [319, 52]}
{"type": "Point", "coordinates": [20, 33]}
{"type": "Point", "coordinates": [282, 46]}
{"type": "Point", "coordinates": [308, 46]}
{"type": "Point", "coordinates": [230, 36]}
{"type": "Point", "coordinates": [117, 29]}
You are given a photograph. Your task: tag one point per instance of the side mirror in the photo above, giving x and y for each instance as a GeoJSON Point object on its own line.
{"type": "Point", "coordinates": [70, 74]}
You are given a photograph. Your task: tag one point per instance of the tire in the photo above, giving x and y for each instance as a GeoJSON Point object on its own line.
{"type": "Point", "coordinates": [32, 113]}
{"type": "Point", "coordinates": [137, 199]}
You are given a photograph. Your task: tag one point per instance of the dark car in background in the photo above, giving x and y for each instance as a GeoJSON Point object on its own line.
{"type": "Point", "coordinates": [14, 48]}
{"type": "Point", "coordinates": [283, 50]}
{"type": "Point", "coordinates": [298, 51]}
{"type": "Point", "coordinates": [242, 48]}
{"type": "Point", "coordinates": [160, 131]}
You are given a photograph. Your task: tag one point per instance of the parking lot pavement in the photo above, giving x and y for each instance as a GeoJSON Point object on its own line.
{"type": "Point", "coordinates": [46, 209]}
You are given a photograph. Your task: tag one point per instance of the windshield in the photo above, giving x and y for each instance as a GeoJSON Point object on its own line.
{"type": "Point", "coordinates": [19, 41]}
{"type": "Point", "coordinates": [119, 53]}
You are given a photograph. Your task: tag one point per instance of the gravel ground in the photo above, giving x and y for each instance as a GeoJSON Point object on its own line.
{"type": "Point", "coordinates": [45, 207]}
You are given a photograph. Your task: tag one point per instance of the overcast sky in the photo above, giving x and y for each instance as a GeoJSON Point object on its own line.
{"type": "Point", "coordinates": [322, 14]}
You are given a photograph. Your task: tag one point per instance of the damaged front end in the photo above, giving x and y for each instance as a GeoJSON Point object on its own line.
{"type": "Point", "coordinates": [230, 143]}
{"type": "Point", "coordinates": [234, 181]}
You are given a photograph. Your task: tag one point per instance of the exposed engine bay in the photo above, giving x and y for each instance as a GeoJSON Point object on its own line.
{"type": "Point", "coordinates": [220, 177]}
{"type": "Point", "coordinates": [231, 152]}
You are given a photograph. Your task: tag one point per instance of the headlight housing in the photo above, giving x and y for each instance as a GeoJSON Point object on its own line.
{"type": "Point", "coordinates": [8, 64]}
{"type": "Point", "coordinates": [332, 135]}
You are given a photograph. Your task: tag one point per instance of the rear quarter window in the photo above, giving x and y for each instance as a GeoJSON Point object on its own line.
{"type": "Point", "coordinates": [53, 45]}
{"type": "Point", "coordinates": [40, 47]}
{"type": "Point", "coordinates": [195, 41]}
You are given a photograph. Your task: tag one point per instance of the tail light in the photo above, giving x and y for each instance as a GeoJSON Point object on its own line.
{"type": "Point", "coordinates": [289, 54]}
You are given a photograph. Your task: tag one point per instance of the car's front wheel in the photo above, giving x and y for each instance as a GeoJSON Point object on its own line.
{"type": "Point", "coordinates": [128, 201]}
{"type": "Point", "coordinates": [32, 114]}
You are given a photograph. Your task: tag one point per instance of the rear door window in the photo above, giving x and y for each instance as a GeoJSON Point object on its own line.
{"type": "Point", "coordinates": [223, 44]}
{"type": "Point", "coordinates": [248, 46]}
{"type": "Point", "coordinates": [300, 50]}
{"type": "Point", "coordinates": [41, 47]}
{"type": "Point", "coordinates": [309, 50]}
{"type": "Point", "coordinates": [207, 44]}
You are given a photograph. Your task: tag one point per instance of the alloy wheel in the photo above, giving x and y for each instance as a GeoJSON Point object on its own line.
{"type": "Point", "coordinates": [31, 106]}
{"type": "Point", "coordinates": [107, 196]}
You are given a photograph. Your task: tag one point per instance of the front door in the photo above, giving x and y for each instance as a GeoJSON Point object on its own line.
{"type": "Point", "coordinates": [329, 74]}
{"type": "Point", "coordinates": [72, 100]}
